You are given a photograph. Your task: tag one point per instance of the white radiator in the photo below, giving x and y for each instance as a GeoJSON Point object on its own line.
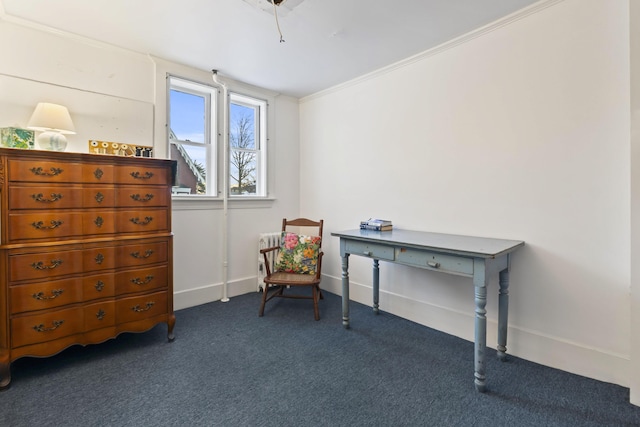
{"type": "Point", "coordinates": [267, 240]}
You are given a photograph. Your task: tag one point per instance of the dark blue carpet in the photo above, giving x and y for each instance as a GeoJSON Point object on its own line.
{"type": "Point", "coordinates": [229, 367]}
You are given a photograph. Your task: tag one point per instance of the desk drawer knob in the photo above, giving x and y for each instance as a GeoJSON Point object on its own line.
{"type": "Point", "coordinates": [433, 264]}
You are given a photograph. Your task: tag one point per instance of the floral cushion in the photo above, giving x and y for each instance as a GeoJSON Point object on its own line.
{"type": "Point", "coordinates": [298, 253]}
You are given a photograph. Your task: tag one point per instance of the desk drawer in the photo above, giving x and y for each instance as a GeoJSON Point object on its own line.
{"type": "Point", "coordinates": [435, 261]}
{"type": "Point", "coordinates": [370, 250]}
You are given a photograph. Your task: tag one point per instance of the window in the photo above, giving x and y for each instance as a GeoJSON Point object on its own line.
{"type": "Point", "coordinates": [192, 128]}
{"type": "Point", "coordinates": [247, 146]}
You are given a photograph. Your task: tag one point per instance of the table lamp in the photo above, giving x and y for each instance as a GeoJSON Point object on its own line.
{"type": "Point", "coordinates": [53, 121]}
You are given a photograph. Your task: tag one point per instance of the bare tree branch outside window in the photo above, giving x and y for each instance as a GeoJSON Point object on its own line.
{"type": "Point", "coordinates": [242, 156]}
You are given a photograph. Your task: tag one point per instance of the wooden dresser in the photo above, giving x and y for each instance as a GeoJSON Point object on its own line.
{"type": "Point", "coordinates": [85, 250]}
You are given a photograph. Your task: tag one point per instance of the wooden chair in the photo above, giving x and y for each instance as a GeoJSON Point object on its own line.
{"type": "Point", "coordinates": [287, 275]}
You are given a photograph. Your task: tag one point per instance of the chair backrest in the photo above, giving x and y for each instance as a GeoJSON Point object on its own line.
{"type": "Point", "coordinates": [304, 222]}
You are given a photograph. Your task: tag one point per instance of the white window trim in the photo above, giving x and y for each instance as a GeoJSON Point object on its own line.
{"type": "Point", "coordinates": [210, 93]}
{"type": "Point", "coordinates": [262, 143]}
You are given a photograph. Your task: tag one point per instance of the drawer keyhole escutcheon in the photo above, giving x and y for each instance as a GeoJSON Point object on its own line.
{"type": "Point", "coordinates": [100, 314]}
{"type": "Point", "coordinates": [98, 173]}
{"type": "Point", "coordinates": [99, 197]}
{"type": "Point", "coordinates": [99, 285]}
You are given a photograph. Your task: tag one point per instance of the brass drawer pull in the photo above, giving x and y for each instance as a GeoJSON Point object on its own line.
{"type": "Point", "coordinates": [99, 197]}
{"type": "Point", "coordinates": [39, 225]}
{"type": "Point", "coordinates": [41, 328]}
{"type": "Point", "coordinates": [100, 314]}
{"type": "Point", "coordinates": [42, 172]}
{"type": "Point", "coordinates": [137, 175]}
{"type": "Point", "coordinates": [139, 198]}
{"type": "Point", "coordinates": [98, 221]}
{"type": "Point", "coordinates": [138, 281]}
{"type": "Point", "coordinates": [136, 220]}
{"type": "Point", "coordinates": [40, 265]}
{"type": "Point", "coordinates": [54, 294]}
{"type": "Point", "coordinates": [137, 308]}
{"type": "Point", "coordinates": [99, 285]}
{"type": "Point", "coordinates": [137, 255]}
{"type": "Point", "coordinates": [98, 173]}
{"type": "Point", "coordinates": [40, 197]}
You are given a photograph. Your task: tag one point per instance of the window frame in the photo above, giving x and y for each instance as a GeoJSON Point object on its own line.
{"type": "Point", "coordinates": [210, 95]}
{"type": "Point", "coordinates": [261, 106]}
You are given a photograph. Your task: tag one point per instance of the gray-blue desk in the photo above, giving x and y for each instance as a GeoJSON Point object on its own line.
{"type": "Point", "coordinates": [475, 257]}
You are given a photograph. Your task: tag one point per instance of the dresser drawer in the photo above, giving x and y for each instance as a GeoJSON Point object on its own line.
{"type": "Point", "coordinates": [44, 295]}
{"type": "Point", "coordinates": [99, 258]}
{"type": "Point", "coordinates": [370, 250]}
{"type": "Point", "coordinates": [44, 225]}
{"type": "Point", "coordinates": [142, 254]}
{"type": "Point", "coordinates": [98, 197]}
{"type": "Point", "coordinates": [98, 222]}
{"type": "Point", "coordinates": [46, 326]}
{"type": "Point", "coordinates": [45, 197]}
{"type": "Point", "coordinates": [142, 175]}
{"type": "Point", "coordinates": [141, 307]}
{"type": "Point", "coordinates": [44, 171]}
{"type": "Point", "coordinates": [99, 315]}
{"type": "Point", "coordinates": [139, 196]}
{"type": "Point", "coordinates": [142, 221]}
{"type": "Point", "coordinates": [97, 173]}
{"type": "Point", "coordinates": [98, 286]}
{"type": "Point", "coordinates": [435, 261]}
{"type": "Point", "coordinates": [43, 265]}
{"type": "Point", "coordinates": [141, 279]}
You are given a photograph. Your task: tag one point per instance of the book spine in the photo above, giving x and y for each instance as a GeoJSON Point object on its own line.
{"type": "Point", "coordinates": [375, 227]}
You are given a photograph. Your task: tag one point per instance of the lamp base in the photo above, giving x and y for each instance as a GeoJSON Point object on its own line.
{"type": "Point", "coordinates": [52, 141]}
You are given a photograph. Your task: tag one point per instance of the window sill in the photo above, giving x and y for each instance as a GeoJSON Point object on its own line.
{"type": "Point", "coordinates": [187, 203]}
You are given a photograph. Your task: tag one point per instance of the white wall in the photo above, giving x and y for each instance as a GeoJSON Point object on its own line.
{"type": "Point", "coordinates": [114, 84]}
{"type": "Point", "coordinates": [518, 131]}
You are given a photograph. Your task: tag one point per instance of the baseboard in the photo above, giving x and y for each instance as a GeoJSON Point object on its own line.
{"type": "Point", "coordinates": [542, 348]}
{"type": "Point", "coordinates": [209, 293]}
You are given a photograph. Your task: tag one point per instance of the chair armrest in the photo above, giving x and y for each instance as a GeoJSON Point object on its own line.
{"type": "Point", "coordinates": [264, 253]}
{"type": "Point", "coordinates": [267, 250]}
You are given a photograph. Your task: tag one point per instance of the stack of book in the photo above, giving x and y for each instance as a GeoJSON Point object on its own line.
{"type": "Point", "coordinates": [376, 225]}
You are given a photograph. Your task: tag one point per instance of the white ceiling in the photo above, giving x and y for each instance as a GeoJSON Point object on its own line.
{"type": "Point", "coordinates": [327, 42]}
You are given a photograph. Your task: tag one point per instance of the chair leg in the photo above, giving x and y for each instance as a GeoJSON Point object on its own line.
{"type": "Point", "coordinates": [315, 291]}
{"type": "Point", "coordinates": [265, 291]}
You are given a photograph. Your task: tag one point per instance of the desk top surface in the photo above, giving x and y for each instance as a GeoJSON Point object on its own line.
{"type": "Point", "coordinates": [482, 247]}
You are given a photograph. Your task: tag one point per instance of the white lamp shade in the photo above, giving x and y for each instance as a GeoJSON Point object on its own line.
{"type": "Point", "coordinates": [48, 116]}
